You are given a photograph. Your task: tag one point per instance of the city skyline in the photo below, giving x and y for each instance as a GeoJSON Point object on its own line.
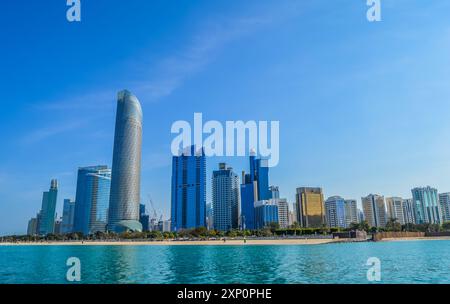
{"type": "Point", "coordinates": [377, 80]}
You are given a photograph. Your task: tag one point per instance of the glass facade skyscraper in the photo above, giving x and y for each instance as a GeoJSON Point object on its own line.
{"type": "Point", "coordinates": [225, 198]}
{"type": "Point", "coordinates": [92, 199]}
{"type": "Point", "coordinates": [266, 213]}
{"type": "Point", "coordinates": [188, 207]}
{"type": "Point", "coordinates": [68, 216]}
{"type": "Point", "coordinates": [254, 187]}
{"type": "Point", "coordinates": [444, 201]}
{"type": "Point", "coordinates": [126, 167]}
{"type": "Point", "coordinates": [427, 207]}
{"type": "Point", "coordinates": [46, 218]}
{"type": "Point", "coordinates": [335, 212]}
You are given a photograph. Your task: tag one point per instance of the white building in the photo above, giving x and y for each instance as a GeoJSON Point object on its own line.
{"type": "Point", "coordinates": [395, 209]}
{"type": "Point", "coordinates": [351, 212]}
{"type": "Point", "coordinates": [283, 213]}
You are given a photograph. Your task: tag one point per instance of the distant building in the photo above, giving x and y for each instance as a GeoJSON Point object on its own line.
{"type": "Point", "coordinates": [375, 210]}
{"type": "Point", "coordinates": [395, 209]}
{"type": "Point", "coordinates": [351, 212]}
{"type": "Point", "coordinates": [166, 226]}
{"type": "Point", "coordinates": [266, 213]}
{"type": "Point", "coordinates": [144, 219]}
{"type": "Point", "coordinates": [209, 217]}
{"type": "Point", "coordinates": [275, 192]}
{"type": "Point", "coordinates": [188, 190]}
{"type": "Point", "coordinates": [46, 222]}
{"type": "Point", "coordinates": [58, 227]}
{"type": "Point", "coordinates": [335, 212]}
{"type": "Point", "coordinates": [92, 199]}
{"type": "Point", "coordinates": [225, 198]}
{"type": "Point", "coordinates": [283, 212]}
{"type": "Point", "coordinates": [254, 187]}
{"type": "Point", "coordinates": [361, 216]}
{"type": "Point", "coordinates": [408, 211]}
{"type": "Point", "coordinates": [32, 226]}
{"type": "Point", "coordinates": [310, 207]}
{"type": "Point", "coordinates": [68, 216]}
{"type": "Point", "coordinates": [444, 201]}
{"type": "Point", "coordinates": [426, 204]}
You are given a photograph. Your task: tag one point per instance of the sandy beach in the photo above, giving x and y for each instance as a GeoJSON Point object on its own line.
{"type": "Point", "coordinates": [179, 243]}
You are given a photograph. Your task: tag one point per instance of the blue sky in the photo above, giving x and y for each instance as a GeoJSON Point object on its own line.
{"type": "Point", "coordinates": [363, 107]}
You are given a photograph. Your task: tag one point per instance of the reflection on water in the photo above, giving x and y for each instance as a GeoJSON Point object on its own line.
{"type": "Point", "coordinates": [402, 262]}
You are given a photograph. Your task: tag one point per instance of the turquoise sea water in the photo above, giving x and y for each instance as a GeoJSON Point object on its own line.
{"type": "Point", "coordinates": [401, 262]}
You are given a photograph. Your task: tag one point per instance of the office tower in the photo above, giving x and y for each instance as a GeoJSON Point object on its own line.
{"type": "Point", "coordinates": [189, 189]}
{"type": "Point", "coordinates": [92, 199]}
{"type": "Point", "coordinates": [361, 216]}
{"type": "Point", "coordinates": [144, 219]}
{"type": "Point", "coordinates": [266, 213]}
{"type": "Point", "coordinates": [126, 166]}
{"type": "Point", "coordinates": [68, 217]}
{"type": "Point", "coordinates": [444, 201]}
{"type": "Point", "coordinates": [426, 205]}
{"type": "Point", "coordinates": [46, 222]}
{"type": "Point", "coordinates": [351, 212]}
{"type": "Point", "coordinates": [166, 226]}
{"type": "Point", "coordinates": [209, 217]}
{"type": "Point", "coordinates": [32, 226]}
{"type": "Point", "coordinates": [294, 218]}
{"type": "Point", "coordinates": [408, 211]}
{"type": "Point", "coordinates": [254, 187]}
{"type": "Point", "coordinates": [394, 207]}
{"type": "Point", "coordinates": [335, 212]}
{"type": "Point", "coordinates": [283, 212]}
{"type": "Point", "coordinates": [58, 227]}
{"type": "Point", "coordinates": [310, 207]}
{"type": "Point", "coordinates": [225, 198]}
{"type": "Point", "coordinates": [374, 210]}
{"type": "Point", "coordinates": [275, 192]}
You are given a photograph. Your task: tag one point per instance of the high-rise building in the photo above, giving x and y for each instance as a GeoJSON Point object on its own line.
{"type": "Point", "coordinates": [225, 198]}
{"type": "Point", "coordinates": [275, 192]}
{"type": "Point", "coordinates": [32, 226]}
{"type": "Point", "coordinates": [254, 187]}
{"type": "Point", "coordinates": [188, 208]}
{"type": "Point", "coordinates": [209, 216]}
{"type": "Point", "coordinates": [426, 204]}
{"type": "Point", "coordinates": [266, 213]}
{"type": "Point", "coordinates": [408, 211]}
{"type": "Point", "coordinates": [374, 210]}
{"type": "Point", "coordinates": [144, 218]}
{"type": "Point", "coordinates": [68, 217]}
{"type": "Point", "coordinates": [283, 212]}
{"type": "Point", "coordinates": [395, 209]}
{"type": "Point", "coordinates": [92, 199]}
{"type": "Point", "coordinates": [444, 201]}
{"type": "Point", "coordinates": [361, 216]}
{"type": "Point", "coordinates": [310, 207]}
{"type": "Point", "coordinates": [58, 227]}
{"type": "Point", "coordinates": [46, 222]}
{"type": "Point", "coordinates": [351, 212]}
{"type": "Point", "coordinates": [126, 166]}
{"type": "Point", "coordinates": [335, 212]}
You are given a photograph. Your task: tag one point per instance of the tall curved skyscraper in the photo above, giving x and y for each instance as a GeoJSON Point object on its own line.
{"type": "Point", "coordinates": [126, 167]}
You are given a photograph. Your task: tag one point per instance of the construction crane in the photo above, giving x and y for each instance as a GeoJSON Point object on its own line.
{"type": "Point", "coordinates": [155, 214]}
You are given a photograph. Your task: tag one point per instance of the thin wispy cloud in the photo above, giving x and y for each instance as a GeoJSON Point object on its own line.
{"type": "Point", "coordinates": [41, 134]}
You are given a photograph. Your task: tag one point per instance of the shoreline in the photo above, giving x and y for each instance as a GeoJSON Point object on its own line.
{"type": "Point", "coordinates": [406, 239]}
{"type": "Point", "coordinates": [179, 243]}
